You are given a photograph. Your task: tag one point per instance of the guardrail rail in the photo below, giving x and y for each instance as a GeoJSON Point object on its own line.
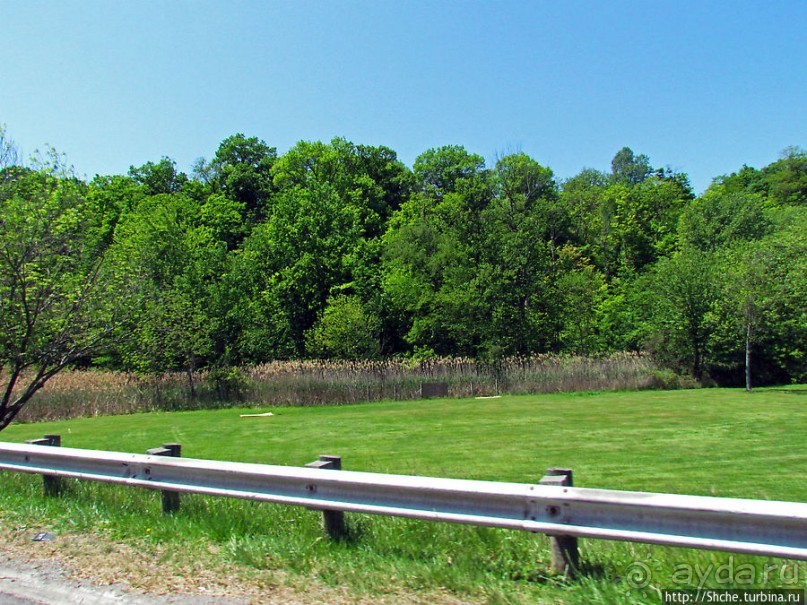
{"type": "Point", "coordinates": [552, 507]}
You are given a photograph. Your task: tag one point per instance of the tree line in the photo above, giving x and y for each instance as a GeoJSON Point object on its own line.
{"type": "Point", "coordinates": [338, 250]}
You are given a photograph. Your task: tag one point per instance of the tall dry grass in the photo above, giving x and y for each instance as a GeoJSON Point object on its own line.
{"type": "Point", "coordinates": [80, 393]}
{"type": "Point", "coordinates": [75, 393]}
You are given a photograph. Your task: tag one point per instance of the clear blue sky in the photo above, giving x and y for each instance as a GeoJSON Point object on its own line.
{"type": "Point", "coordinates": [701, 86]}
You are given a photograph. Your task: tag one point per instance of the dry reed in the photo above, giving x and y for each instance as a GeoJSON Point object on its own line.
{"type": "Point", "coordinates": [75, 393]}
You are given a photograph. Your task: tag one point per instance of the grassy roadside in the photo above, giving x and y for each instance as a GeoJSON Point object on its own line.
{"type": "Point", "coordinates": [713, 442]}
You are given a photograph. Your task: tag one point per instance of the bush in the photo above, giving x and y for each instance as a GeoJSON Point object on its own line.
{"type": "Point", "coordinates": [666, 379]}
{"type": "Point", "coordinates": [230, 383]}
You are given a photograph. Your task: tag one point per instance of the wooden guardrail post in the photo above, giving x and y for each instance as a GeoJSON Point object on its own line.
{"type": "Point", "coordinates": [170, 498]}
{"type": "Point", "coordinates": [332, 520]}
{"type": "Point", "coordinates": [53, 485]}
{"type": "Point", "coordinates": [565, 556]}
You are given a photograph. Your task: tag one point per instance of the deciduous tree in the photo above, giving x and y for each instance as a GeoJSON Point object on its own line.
{"type": "Point", "coordinates": [57, 300]}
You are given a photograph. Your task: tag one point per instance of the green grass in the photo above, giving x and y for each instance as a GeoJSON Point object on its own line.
{"type": "Point", "coordinates": [711, 442]}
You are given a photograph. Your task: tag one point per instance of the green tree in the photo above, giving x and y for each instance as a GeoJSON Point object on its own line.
{"type": "Point", "coordinates": [438, 171]}
{"type": "Point", "coordinates": [57, 304]}
{"type": "Point", "coordinates": [718, 220]}
{"type": "Point", "coordinates": [320, 238]}
{"type": "Point", "coordinates": [625, 223]}
{"type": "Point", "coordinates": [176, 261]}
{"type": "Point", "coordinates": [242, 171]}
{"type": "Point", "coordinates": [524, 225]}
{"type": "Point", "coordinates": [344, 331]}
{"type": "Point", "coordinates": [433, 248]}
{"type": "Point", "coordinates": [225, 218]}
{"type": "Point", "coordinates": [369, 179]}
{"type": "Point", "coordinates": [686, 293]}
{"type": "Point", "coordinates": [581, 196]}
{"type": "Point", "coordinates": [468, 259]}
{"type": "Point", "coordinates": [786, 179]}
{"type": "Point", "coordinates": [781, 183]}
{"type": "Point", "coordinates": [581, 292]}
{"type": "Point", "coordinates": [161, 177]}
{"type": "Point", "coordinates": [628, 168]}
{"type": "Point", "coordinates": [291, 262]}
{"type": "Point", "coordinates": [625, 315]}
{"type": "Point", "coordinates": [110, 198]}
{"type": "Point", "coordinates": [786, 314]}
{"type": "Point", "coordinates": [748, 296]}
{"type": "Point", "coordinates": [763, 313]}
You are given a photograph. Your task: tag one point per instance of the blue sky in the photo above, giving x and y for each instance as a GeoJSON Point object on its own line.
{"type": "Point", "coordinates": [701, 86]}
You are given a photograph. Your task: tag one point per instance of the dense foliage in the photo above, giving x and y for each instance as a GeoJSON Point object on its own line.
{"type": "Point", "coordinates": [339, 250]}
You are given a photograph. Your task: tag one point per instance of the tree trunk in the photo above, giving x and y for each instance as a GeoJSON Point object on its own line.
{"type": "Point", "coordinates": [11, 405]}
{"type": "Point", "coordinates": [748, 337]}
{"type": "Point", "coordinates": [191, 369]}
{"type": "Point", "coordinates": [696, 362]}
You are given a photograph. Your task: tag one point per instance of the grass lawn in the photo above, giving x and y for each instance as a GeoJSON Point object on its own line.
{"type": "Point", "coordinates": [719, 442]}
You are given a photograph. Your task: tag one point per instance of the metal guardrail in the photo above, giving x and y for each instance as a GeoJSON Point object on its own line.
{"type": "Point", "coordinates": [739, 525]}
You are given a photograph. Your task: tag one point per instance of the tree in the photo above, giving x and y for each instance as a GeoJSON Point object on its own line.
{"type": "Point", "coordinates": [288, 267]}
{"type": "Point", "coordinates": [439, 171]}
{"type": "Point", "coordinates": [433, 254]}
{"type": "Point", "coordinates": [581, 292]}
{"type": "Point", "coordinates": [161, 177]}
{"type": "Point", "coordinates": [625, 223]}
{"type": "Point", "coordinates": [344, 331]}
{"type": "Point", "coordinates": [763, 310]}
{"type": "Point", "coordinates": [581, 196]}
{"type": "Point", "coordinates": [111, 199]}
{"type": "Point", "coordinates": [628, 168]}
{"type": "Point", "coordinates": [175, 260]}
{"type": "Point", "coordinates": [786, 313]}
{"type": "Point", "coordinates": [786, 178]}
{"type": "Point", "coordinates": [9, 155]}
{"type": "Point", "coordinates": [781, 183]}
{"type": "Point", "coordinates": [647, 219]}
{"type": "Point", "coordinates": [241, 170]}
{"type": "Point", "coordinates": [369, 179]}
{"type": "Point", "coordinates": [747, 297]}
{"type": "Point", "coordinates": [469, 256]}
{"type": "Point", "coordinates": [686, 295]}
{"type": "Point", "coordinates": [322, 236]}
{"type": "Point", "coordinates": [56, 300]}
{"type": "Point", "coordinates": [523, 227]}
{"type": "Point", "coordinates": [718, 220]}
{"type": "Point", "coordinates": [225, 218]}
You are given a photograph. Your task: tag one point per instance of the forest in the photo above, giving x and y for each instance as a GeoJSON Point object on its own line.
{"type": "Point", "coordinates": [340, 251]}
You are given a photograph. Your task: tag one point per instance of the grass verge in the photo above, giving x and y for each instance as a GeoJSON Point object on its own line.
{"type": "Point", "coordinates": [711, 442]}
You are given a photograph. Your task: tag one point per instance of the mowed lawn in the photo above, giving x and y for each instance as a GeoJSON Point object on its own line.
{"type": "Point", "coordinates": [721, 442]}
{"type": "Point", "coordinates": [709, 442]}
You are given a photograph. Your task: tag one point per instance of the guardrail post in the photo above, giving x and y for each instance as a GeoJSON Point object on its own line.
{"type": "Point", "coordinates": [565, 556]}
{"type": "Point", "coordinates": [170, 499]}
{"type": "Point", "coordinates": [332, 520]}
{"type": "Point", "coordinates": [53, 485]}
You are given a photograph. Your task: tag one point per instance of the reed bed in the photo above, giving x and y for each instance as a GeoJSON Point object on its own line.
{"type": "Point", "coordinates": [78, 393]}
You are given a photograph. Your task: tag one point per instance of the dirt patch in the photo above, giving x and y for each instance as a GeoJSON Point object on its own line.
{"type": "Point", "coordinates": [89, 569]}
